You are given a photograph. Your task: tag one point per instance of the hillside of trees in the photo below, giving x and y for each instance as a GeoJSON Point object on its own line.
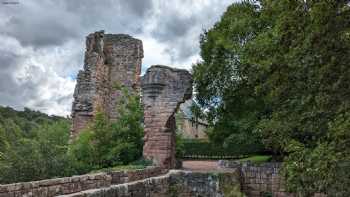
{"type": "Point", "coordinates": [32, 145]}
{"type": "Point", "coordinates": [25, 121]}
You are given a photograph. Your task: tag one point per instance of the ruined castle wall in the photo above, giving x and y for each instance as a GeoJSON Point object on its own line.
{"type": "Point", "coordinates": [175, 183]}
{"type": "Point", "coordinates": [163, 90]}
{"type": "Point", "coordinates": [109, 59]}
{"type": "Point", "coordinates": [86, 91]}
{"type": "Point", "coordinates": [123, 55]}
{"type": "Point", "coordinates": [252, 180]}
{"type": "Point", "coordinates": [74, 184]}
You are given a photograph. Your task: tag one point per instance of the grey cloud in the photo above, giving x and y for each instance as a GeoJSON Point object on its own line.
{"type": "Point", "coordinates": [139, 8]}
{"type": "Point", "coordinates": [46, 25]}
{"type": "Point", "coordinates": [9, 63]}
{"type": "Point", "coordinates": [181, 31]}
{"type": "Point", "coordinates": [175, 30]}
{"type": "Point", "coordinates": [43, 33]}
{"type": "Point", "coordinates": [27, 91]}
{"type": "Point", "coordinates": [19, 92]}
{"type": "Point", "coordinates": [42, 28]}
{"type": "Point", "coordinates": [8, 60]}
{"type": "Point", "coordinates": [134, 7]}
{"type": "Point", "coordinates": [51, 23]}
{"type": "Point", "coordinates": [14, 94]}
{"type": "Point", "coordinates": [38, 24]}
{"type": "Point", "coordinates": [173, 26]}
{"type": "Point", "coordinates": [181, 50]}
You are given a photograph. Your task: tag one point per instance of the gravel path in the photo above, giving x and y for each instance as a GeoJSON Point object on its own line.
{"type": "Point", "coordinates": [200, 165]}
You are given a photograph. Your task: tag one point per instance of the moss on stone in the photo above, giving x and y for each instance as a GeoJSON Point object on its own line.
{"type": "Point", "coordinates": [229, 185]}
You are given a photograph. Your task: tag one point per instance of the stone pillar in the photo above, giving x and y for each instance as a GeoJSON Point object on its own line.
{"type": "Point", "coordinates": [163, 90]}
{"type": "Point", "coordinates": [109, 59]}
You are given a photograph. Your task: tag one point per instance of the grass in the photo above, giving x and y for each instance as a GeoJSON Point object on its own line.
{"type": "Point", "coordinates": [257, 158]}
{"type": "Point", "coordinates": [120, 168]}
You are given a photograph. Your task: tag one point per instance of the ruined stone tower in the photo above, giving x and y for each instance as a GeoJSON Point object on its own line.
{"type": "Point", "coordinates": [110, 59]}
{"type": "Point", "coordinates": [163, 90]}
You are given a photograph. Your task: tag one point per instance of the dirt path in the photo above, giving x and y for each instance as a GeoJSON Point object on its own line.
{"type": "Point", "coordinates": [200, 165]}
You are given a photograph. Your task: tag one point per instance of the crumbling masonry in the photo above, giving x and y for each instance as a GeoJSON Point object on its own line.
{"type": "Point", "coordinates": [116, 59]}
{"type": "Point", "coordinates": [163, 90]}
{"type": "Point", "coordinates": [110, 59]}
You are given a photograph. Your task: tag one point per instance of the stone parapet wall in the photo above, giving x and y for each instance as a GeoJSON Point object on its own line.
{"type": "Point", "coordinates": [247, 179]}
{"type": "Point", "coordinates": [119, 177]}
{"type": "Point", "coordinates": [154, 186]}
{"type": "Point", "coordinates": [176, 183]}
{"type": "Point", "coordinates": [205, 184]}
{"type": "Point", "coordinates": [258, 180]}
{"type": "Point", "coordinates": [68, 185]}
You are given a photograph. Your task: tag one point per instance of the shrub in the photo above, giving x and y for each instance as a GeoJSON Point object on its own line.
{"type": "Point", "coordinates": [106, 144]}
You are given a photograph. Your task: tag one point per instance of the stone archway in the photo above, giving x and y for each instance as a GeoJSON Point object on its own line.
{"type": "Point", "coordinates": [163, 90]}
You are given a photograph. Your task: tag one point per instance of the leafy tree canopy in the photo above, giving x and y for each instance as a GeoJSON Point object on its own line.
{"type": "Point", "coordinates": [279, 70]}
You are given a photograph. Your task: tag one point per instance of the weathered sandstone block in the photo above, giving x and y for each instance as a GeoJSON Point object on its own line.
{"type": "Point", "coordinates": [163, 90]}
{"type": "Point", "coordinates": [110, 59]}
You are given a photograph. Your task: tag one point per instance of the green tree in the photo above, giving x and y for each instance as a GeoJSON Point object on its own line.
{"type": "Point", "coordinates": [44, 156]}
{"type": "Point", "coordinates": [108, 143]}
{"type": "Point", "coordinates": [280, 70]}
{"type": "Point", "coordinates": [233, 108]}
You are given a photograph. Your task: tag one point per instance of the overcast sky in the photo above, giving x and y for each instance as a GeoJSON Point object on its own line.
{"type": "Point", "coordinates": [42, 42]}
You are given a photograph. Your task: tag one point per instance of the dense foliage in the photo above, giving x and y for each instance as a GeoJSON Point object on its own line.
{"type": "Point", "coordinates": [107, 143]}
{"type": "Point", "coordinates": [279, 70]}
{"type": "Point", "coordinates": [34, 146]}
{"type": "Point", "coordinates": [24, 122]}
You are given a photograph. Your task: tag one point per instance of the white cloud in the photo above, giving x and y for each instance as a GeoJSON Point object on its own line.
{"type": "Point", "coordinates": [42, 43]}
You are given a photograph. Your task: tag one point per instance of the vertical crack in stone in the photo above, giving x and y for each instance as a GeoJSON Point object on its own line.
{"type": "Point", "coordinates": [163, 90]}
{"type": "Point", "coordinates": [110, 59]}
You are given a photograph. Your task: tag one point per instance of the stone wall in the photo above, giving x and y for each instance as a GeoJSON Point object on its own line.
{"type": "Point", "coordinates": [174, 184]}
{"type": "Point", "coordinates": [205, 184]}
{"type": "Point", "coordinates": [110, 59]}
{"type": "Point", "coordinates": [68, 185]}
{"type": "Point", "coordinates": [259, 180]}
{"type": "Point", "coordinates": [163, 90]}
{"type": "Point", "coordinates": [235, 180]}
